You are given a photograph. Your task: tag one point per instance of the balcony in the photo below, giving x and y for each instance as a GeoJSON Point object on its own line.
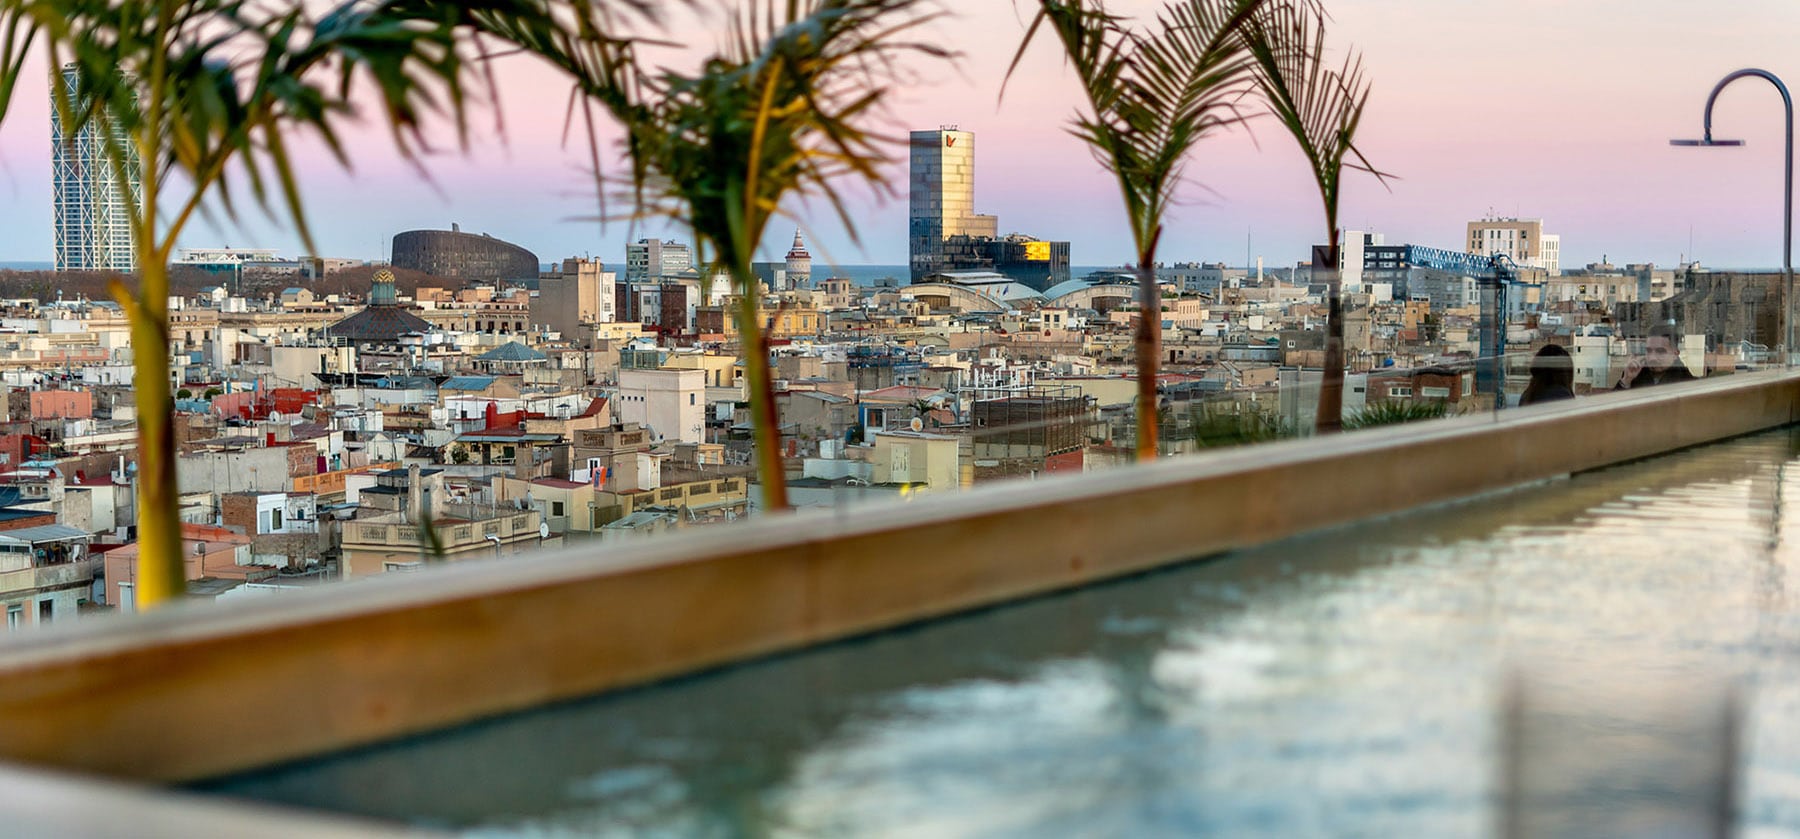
{"type": "Point", "coordinates": [48, 576]}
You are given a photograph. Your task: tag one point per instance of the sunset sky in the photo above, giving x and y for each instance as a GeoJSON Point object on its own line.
{"type": "Point", "coordinates": [1537, 108]}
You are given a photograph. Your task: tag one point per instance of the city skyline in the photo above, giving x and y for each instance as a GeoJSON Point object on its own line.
{"type": "Point", "coordinates": [1527, 109]}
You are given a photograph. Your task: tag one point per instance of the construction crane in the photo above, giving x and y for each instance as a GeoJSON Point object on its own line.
{"type": "Point", "coordinates": [1494, 275]}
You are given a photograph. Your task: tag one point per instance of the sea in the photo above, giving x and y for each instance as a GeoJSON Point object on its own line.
{"type": "Point", "coordinates": [874, 275]}
{"type": "Point", "coordinates": [862, 275]}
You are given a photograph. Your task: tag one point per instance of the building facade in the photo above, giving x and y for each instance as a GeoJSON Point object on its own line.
{"type": "Point", "coordinates": [581, 294]}
{"type": "Point", "coordinates": [1032, 262]}
{"type": "Point", "coordinates": [669, 403]}
{"type": "Point", "coordinates": [946, 234]}
{"type": "Point", "coordinates": [941, 195]}
{"type": "Point", "coordinates": [1521, 240]}
{"type": "Point", "coordinates": [654, 259]}
{"type": "Point", "coordinates": [91, 204]}
{"type": "Point", "coordinates": [463, 256]}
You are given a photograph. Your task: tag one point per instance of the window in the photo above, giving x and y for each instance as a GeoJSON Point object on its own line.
{"type": "Point", "coordinates": [1400, 391]}
{"type": "Point", "coordinates": [556, 508]}
{"type": "Point", "coordinates": [15, 615]}
{"type": "Point", "coordinates": [46, 610]}
{"type": "Point", "coordinates": [274, 520]}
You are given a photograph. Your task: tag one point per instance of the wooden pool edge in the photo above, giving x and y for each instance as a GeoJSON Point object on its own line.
{"type": "Point", "coordinates": [202, 691]}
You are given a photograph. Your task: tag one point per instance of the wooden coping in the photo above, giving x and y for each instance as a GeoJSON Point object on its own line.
{"type": "Point", "coordinates": [47, 804]}
{"type": "Point", "coordinates": [202, 690]}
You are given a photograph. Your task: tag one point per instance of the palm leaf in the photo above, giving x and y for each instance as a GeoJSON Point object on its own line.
{"type": "Point", "coordinates": [211, 90]}
{"type": "Point", "coordinates": [1322, 108]}
{"type": "Point", "coordinates": [1317, 104]}
{"type": "Point", "coordinates": [780, 112]}
{"type": "Point", "coordinates": [1152, 96]}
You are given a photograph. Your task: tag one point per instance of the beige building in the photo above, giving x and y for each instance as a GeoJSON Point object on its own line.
{"type": "Point", "coordinates": [572, 300]}
{"type": "Point", "coordinates": [916, 457]}
{"type": "Point", "coordinates": [721, 369]}
{"type": "Point", "coordinates": [393, 542]}
{"type": "Point", "coordinates": [670, 403]}
{"type": "Point", "coordinates": [565, 505]}
{"type": "Point", "coordinates": [1521, 240]}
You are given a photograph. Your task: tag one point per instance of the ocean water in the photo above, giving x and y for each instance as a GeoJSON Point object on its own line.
{"type": "Point", "coordinates": [868, 275]}
{"type": "Point", "coordinates": [862, 274]}
{"type": "Point", "coordinates": [25, 265]}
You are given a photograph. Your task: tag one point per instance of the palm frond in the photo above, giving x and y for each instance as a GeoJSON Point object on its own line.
{"type": "Point", "coordinates": [1152, 95]}
{"type": "Point", "coordinates": [780, 112]}
{"type": "Point", "coordinates": [1319, 105]}
{"type": "Point", "coordinates": [238, 78]}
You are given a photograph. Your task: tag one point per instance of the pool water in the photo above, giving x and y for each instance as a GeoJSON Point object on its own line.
{"type": "Point", "coordinates": [1347, 683]}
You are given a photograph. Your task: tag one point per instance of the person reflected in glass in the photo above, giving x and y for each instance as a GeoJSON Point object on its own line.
{"type": "Point", "coordinates": [1552, 376]}
{"type": "Point", "coordinates": [1660, 364]}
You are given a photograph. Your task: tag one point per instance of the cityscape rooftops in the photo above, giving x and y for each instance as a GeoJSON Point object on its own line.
{"type": "Point", "coordinates": [379, 325]}
{"type": "Point", "coordinates": [43, 533]}
{"type": "Point", "coordinates": [512, 351]}
{"type": "Point", "coordinates": [467, 383]}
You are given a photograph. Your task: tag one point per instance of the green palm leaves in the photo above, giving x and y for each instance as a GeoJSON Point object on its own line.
{"type": "Point", "coordinates": [780, 112]}
{"type": "Point", "coordinates": [1152, 96]}
{"type": "Point", "coordinates": [203, 95]}
{"type": "Point", "coordinates": [1321, 107]}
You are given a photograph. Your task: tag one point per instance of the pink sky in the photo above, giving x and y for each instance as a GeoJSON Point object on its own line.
{"type": "Point", "coordinates": [1537, 108]}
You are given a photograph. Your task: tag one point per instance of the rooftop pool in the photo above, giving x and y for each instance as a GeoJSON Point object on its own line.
{"type": "Point", "coordinates": [1351, 682]}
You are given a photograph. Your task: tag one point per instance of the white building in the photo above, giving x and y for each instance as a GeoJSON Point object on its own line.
{"type": "Point", "coordinates": [654, 259]}
{"type": "Point", "coordinates": [669, 402]}
{"type": "Point", "coordinates": [91, 206]}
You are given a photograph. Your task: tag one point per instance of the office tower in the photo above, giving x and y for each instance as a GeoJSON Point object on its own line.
{"type": "Point", "coordinates": [92, 206]}
{"type": "Point", "coordinates": [941, 189]}
{"type": "Point", "coordinates": [652, 259]}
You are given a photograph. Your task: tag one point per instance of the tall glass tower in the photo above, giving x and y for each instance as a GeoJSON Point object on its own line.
{"type": "Point", "coordinates": [941, 191]}
{"type": "Point", "coordinates": [93, 221]}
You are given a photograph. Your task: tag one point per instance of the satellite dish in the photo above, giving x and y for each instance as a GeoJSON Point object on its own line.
{"type": "Point", "coordinates": [543, 530]}
{"type": "Point", "coordinates": [918, 424]}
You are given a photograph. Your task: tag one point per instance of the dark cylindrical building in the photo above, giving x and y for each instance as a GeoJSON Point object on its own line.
{"type": "Point", "coordinates": [463, 256]}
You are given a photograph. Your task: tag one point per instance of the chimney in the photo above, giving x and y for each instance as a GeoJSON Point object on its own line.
{"type": "Point", "coordinates": [525, 464]}
{"type": "Point", "coordinates": [414, 494]}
